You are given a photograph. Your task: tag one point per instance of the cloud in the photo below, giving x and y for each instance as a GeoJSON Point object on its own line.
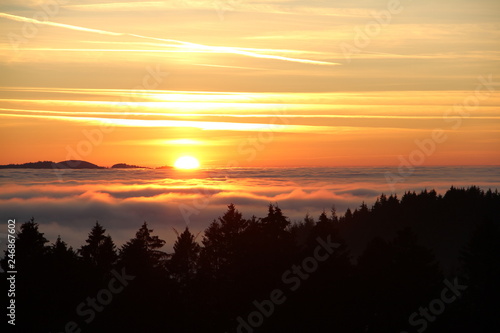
{"type": "Point", "coordinates": [58, 25]}
{"type": "Point", "coordinates": [182, 45]}
{"type": "Point", "coordinates": [121, 201]}
{"type": "Point", "coordinates": [122, 207]}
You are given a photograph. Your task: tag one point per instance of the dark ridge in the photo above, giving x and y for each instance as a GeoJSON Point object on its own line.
{"type": "Point", "coordinates": [71, 164]}
{"type": "Point", "coordinates": [127, 166]}
{"type": "Point", "coordinates": [384, 268]}
{"type": "Point", "coordinates": [30, 165]}
{"type": "Point", "coordinates": [76, 164]}
{"type": "Point", "coordinates": [165, 167]}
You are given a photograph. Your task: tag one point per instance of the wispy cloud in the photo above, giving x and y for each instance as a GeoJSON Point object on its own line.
{"type": "Point", "coordinates": [185, 46]}
{"type": "Point", "coordinates": [262, 7]}
{"type": "Point", "coordinates": [230, 115]}
{"type": "Point", "coordinates": [203, 125]}
{"type": "Point", "coordinates": [58, 25]}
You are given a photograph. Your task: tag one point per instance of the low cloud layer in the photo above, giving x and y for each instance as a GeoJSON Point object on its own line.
{"type": "Point", "coordinates": [121, 203]}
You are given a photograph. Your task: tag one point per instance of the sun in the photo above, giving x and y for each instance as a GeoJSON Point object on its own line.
{"type": "Point", "coordinates": [187, 162]}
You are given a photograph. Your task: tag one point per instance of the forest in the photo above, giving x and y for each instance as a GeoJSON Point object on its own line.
{"type": "Point", "coordinates": [422, 262]}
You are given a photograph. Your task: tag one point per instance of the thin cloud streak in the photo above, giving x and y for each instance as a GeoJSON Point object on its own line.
{"type": "Point", "coordinates": [230, 115]}
{"type": "Point", "coordinates": [203, 125]}
{"type": "Point", "coordinates": [262, 8]}
{"type": "Point", "coordinates": [58, 25]}
{"type": "Point", "coordinates": [188, 46]}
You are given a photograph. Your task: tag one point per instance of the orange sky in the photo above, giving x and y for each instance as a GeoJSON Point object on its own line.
{"type": "Point", "coordinates": [250, 83]}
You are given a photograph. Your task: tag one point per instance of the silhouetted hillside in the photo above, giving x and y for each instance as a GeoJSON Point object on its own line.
{"type": "Point", "coordinates": [76, 164]}
{"type": "Point", "coordinates": [165, 167]}
{"type": "Point", "coordinates": [30, 165]}
{"type": "Point", "coordinates": [69, 164]}
{"type": "Point", "coordinates": [442, 223]}
{"type": "Point", "coordinates": [127, 166]}
{"type": "Point", "coordinates": [266, 274]}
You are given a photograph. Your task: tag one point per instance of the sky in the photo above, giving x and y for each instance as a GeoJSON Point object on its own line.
{"type": "Point", "coordinates": [251, 83]}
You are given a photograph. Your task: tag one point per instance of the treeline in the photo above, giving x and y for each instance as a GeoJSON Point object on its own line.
{"type": "Point", "coordinates": [270, 275]}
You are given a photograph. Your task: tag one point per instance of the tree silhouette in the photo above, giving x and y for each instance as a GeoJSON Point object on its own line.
{"type": "Point", "coordinates": [221, 242]}
{"type": "Point", "coordinates": [275, 223]}
{"type": "Point", "coordinates": [183, 263]}
{"type": "Point", "coordinates": [141, 255]}
{"type": "Point", "coordinates": [274, 239]}
{"type": "Point", "coordinates": [397, 278]}
{"type": "Point", "coordinates": [241, 261]}
{"type": "Point", "coordinates": [348, 216]}
{"type": "Point", "coordinates": [68, 277]}
{"type": "Point", "coordinates": [100, 250]}
{"type": "Point", "coordinates": [301, 232]}
{"type": "Point", "coordinates": [62, 258]}
{"type": "Point", "coordinates": [149, 294]}
{"type": "Point", "coordinates": [61, 251]}
{"type": "Point", "coordinates": [32, 290]}
{"type": "Point", "coordinates": [481, 258]}
{"type": "Point", "coordinates": [30, 248]}
{"type": "Point", "coordinates": [325, 226]}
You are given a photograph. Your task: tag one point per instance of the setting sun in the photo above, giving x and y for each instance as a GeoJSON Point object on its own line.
{"type": "Point", "coordinates": [187, 162]}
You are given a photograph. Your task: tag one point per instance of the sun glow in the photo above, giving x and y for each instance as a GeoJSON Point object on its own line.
{"type": "Point", "coordinates": [187, 162]}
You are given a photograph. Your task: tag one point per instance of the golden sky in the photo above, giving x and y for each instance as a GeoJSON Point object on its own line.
{"type": "Point", "coordinates": [250, 83]}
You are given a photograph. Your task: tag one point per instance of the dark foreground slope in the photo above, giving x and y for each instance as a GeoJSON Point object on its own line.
{"type": "Point", "coordinates": [268, 275]}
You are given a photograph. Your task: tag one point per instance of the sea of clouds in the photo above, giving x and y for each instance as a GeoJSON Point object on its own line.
{"type": "Point", "coordinates": [69, 203]}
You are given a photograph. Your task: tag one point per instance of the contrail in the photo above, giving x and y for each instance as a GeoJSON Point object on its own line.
{"type": "Point", "coordinates": [225, 49]}
{"type": "Point", "coordinates": [60, 25]}
{"type": "Point", "coordinates": [202, 47]}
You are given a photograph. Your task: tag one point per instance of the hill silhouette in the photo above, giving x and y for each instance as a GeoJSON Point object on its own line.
{"type": "Point", "coordinates": [266, 274]}
{"type": "Point", "coordinates": [72, 164]}
{"type": "Point", "coordinates": [68, 164]}
{"type": "Point", "coordinates": [165, 167]}
{"type": "Point", "coordinates": [76, 164]}
{"type": "Point", "coordinates": [30, 165]}
{"type": "Point", "coordinates": [127, 166]}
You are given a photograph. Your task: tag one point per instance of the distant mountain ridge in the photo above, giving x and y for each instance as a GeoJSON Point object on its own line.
{"type": "Point", "coordinates": [127, 166]}
{"type": "Point", "coordinates": [68, 164]}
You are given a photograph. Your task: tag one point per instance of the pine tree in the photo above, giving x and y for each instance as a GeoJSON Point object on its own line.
{"type": "Point", "coordinates": [221, 242]}
{"type": "Point", "coordinates": [398, 276]}
{"type": "Point", "coordinates": [481, 258]}
{"type": "Point", "coordinates": [348, 215]}
{"type": "Point", "coordinates": [62, 256]}
{"type": "Point", "coordinates": [32, 292]}
{"type": "Point", "coordinates": [275, 223]}
{"type": "Point", "coordinates": [183, 263]}
{"type": "Point", "coordinates": [65, 282]}
{"type": "Point", "coordinates": [30, 248]}
{"type": "Point", "coordinates": [301, 232]}
{"type": "Point", "coordinates": [141, 254]}
{"type": "Point", "coordinates": [100, 250]}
